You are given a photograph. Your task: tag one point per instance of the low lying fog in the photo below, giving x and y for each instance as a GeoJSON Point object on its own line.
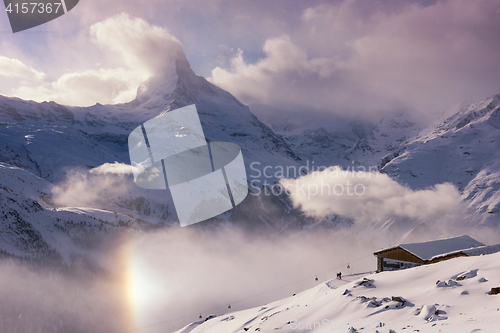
{"type": "Point", "coordinates": [171, 276]}
{"type": "Point", "coordinates": [161, 280]}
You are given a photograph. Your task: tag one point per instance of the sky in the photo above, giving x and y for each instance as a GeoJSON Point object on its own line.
{"type": "Point", "coordinates": [338, 57]}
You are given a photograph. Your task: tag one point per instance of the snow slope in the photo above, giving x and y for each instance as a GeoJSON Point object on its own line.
{"type": "Point", "coordinates": [450, 296]}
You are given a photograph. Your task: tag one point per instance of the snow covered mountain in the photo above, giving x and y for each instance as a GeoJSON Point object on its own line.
{"type": "Point", "coordinates": [59, 151]}
{"type": "Point", "coordinates": [31, 229]}
{"type": "Point", "coordinates": [332, 140]}
{"type": "Point", "coordinates": [449, 296]}
{"type": "Point", "coordinates": [326, 140]}
{"type": "Point", "coordinates": [463, 150]}
{"type": "Point", "coordinates": [48, 150]}
{"type": "Point", "coordinates": [46, 138]}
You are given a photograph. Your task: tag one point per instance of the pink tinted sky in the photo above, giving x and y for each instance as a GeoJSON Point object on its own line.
{"type": "Point", "coordinates": [335, 56]}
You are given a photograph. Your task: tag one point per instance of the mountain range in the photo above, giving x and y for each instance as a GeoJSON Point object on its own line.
{"type": "Point", "coordinates": [55, 190]}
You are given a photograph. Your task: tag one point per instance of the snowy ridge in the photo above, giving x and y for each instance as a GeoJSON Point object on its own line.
{"type": "Point", "coordinates": [448, 296]}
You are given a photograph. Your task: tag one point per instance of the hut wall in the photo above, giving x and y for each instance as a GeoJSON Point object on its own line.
{"type": "Point", "coordinates": [400, 254]}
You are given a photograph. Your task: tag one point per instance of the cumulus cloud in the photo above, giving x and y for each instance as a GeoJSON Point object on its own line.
{"type": "Point", "coordinates": [141, 45]}
{"type": "Point", "coordinates": [139, 49]}
{"type": "Point", "coordinates": [263, 81]}
{"type": "Point", "coordinates": [16, 69]}
{"type": "Point", "coordinates": [347, 57]}
{"type": "Point", "coordinates": [372, 198]}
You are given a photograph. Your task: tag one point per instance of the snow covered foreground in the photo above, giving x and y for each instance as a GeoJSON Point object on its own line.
{"type": "Point", "coordinates": [450, 296]}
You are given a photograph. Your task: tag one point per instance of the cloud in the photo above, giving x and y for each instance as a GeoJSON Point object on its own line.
{"type": "Point", "coordinates": [347, 57]}
{"type": "Point", "coordinates": [373, 198]}
{"type": "Point", "coordinates": [167, 277]}
{"type": "Point", "coordinates": [111, 187]}
{"type": "Point", "coordinates": [338, 57]}
{"type": "Point", "coordinates": [116, 168]}
{"type": "Point", "coordinates": [90, 189]}
{"type": "Point", "coordinates": [139, 51]}
{"type": "Point", "coordinates": [264, 81]}
{"type": "Point", "coordinates": [106, 86]}
{"type": "Point", "coordinates": [15, 68]}
{"type": "Point", "coordinates": [180, 272]}
{"type": "Point", "coordinates": [141, 45]}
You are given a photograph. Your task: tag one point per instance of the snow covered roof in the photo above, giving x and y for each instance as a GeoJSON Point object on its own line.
{"type": "Point", "coordinates": [483, 250]}
{"type": "Point", "coordinates": [432, 249]}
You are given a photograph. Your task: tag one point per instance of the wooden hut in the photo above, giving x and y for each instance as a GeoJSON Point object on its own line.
{"type": "Point", "coordinates": [416, 254]}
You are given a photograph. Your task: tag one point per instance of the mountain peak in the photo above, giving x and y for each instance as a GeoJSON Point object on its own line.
{"type": "Point", "coordinates": [223, 117]}
{"type": "Point", "coordinates": [159, 89]}
{"type": "Point", "coordinates": [176, 86]}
